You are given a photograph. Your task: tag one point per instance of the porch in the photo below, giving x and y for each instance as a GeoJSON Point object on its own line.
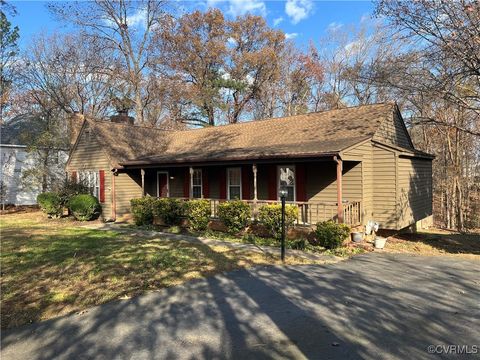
{"type": "Point", "coordinates": [322, 189]}
{"type": "Point", "coordinates": [309, 213]}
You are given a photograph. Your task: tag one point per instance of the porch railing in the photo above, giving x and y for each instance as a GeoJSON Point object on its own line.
{"type": "Point", "coordinates": [309, 213]}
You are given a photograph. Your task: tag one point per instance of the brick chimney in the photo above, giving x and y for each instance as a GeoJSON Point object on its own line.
{"type": "Point", "coordinates": [76, 122]}
{"type": "Point", "coordinates": [122, 118]}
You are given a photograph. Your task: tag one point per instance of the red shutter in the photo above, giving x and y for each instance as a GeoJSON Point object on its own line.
{"type": "Point", "coordinates": [272, 182]}
{"type": "Point", "coordinates": [74, 176]}
{"type": "Point", "coordinates": [246, 170]}
{"type": "Point", "coordinates": [101, 174]}
{"type": "Point", "coordinates": [205, 185]}
{"type": "Point", "coordinates": [223, 183]}
{"type": "Point", "coordinates": [186, 183]}
{"type": "Point", "coordinates": [300, 180]}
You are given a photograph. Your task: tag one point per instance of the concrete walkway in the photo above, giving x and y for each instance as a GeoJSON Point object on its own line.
{"type": "Point", "coordinates": [209, 241]}
{"type": "Point", "coordinates": [374, 306]}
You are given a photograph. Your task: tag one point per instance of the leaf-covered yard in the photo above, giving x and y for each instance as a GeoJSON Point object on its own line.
{"type": "Point", "coordinates": [53, 267]}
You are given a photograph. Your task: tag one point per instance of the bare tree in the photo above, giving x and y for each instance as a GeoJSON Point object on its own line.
{"type": "Point", "coordinates": [76, 75]}
{"type": "Point", "coordinates": [127, 27]}
{"type": "Point", "coordinates": [445, 34]}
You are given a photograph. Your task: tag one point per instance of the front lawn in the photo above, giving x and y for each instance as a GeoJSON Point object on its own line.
{"type": "Point", "coordinates": [436, 242]}
{"type": "Point", "coordinates": [53, 267]}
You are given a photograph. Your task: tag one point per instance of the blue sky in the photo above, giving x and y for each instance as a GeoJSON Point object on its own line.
{"type": "Point", "coordinates": [301, 20]}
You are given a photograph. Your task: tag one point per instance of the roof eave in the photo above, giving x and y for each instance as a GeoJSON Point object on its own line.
{"type": "Point", "coordinates": [137, 163]}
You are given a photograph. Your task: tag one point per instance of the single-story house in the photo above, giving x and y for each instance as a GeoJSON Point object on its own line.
{"type": "Point", "coordinates": [350, 165]}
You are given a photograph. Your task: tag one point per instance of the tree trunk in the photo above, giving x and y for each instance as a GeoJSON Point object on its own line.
{"type": "Point", "coordinates": [45, 172]}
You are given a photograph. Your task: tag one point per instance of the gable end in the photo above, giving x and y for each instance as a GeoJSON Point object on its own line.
{"type": "Point", "coordinates": [88, 152]}
{"type": "Point", "coordinates": [393, 131]}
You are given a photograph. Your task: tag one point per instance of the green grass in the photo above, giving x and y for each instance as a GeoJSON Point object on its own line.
{"type": "Point", "coordinates": [53, 267]}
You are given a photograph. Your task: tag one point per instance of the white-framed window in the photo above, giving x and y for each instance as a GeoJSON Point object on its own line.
{"type": "Point", "coordinates": [234, 183]}
{"type": "Point", "coordinates": [197, 183]}
{"type": "Point", "coordinates": [92, 180]}
{"type": "Point", "coordinates": [286, 179]}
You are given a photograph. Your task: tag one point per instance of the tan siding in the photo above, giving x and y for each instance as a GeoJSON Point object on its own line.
{"type": "Point", "coordinates": [392, 131]}
{"type": "Point", "coordinates": [89, 155]}
{"type": "Point", "coordinates": [262, 182]}
{"type": "Point", "coordinates": [364, 152]}
{"type": "Point", "coordinates": [415, 190]}
{"type": "Point", "coordinates": [176, 184]}
{"type": "Point", "coordinates": [384, 189]}
{"type": "Point", "coordinates": [321, 186]}
{"type": "Point", "coordinates": [214, 181]}
{"type": "Point", "coordinates": [127, 186]}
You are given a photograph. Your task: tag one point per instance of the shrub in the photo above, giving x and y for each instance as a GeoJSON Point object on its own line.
{"type": "Point", "coordinates": [50, 203]}
{"type": "Point", "coordinates": [170, 210]}
{"type": "Point", "coordinates": [71, 188]}
{"type": "Point", "coordinates": [84, 207]}
{"type": "Point", "coordinates": [271, 217]}
{"type": "Point", "coordinates": [298, 244]}
{"type": "Point", "coordinates": [235, 215]}
{"type": "Point", "coordinates": [142, 210]}
{"type": "Point", "coordinates": [330, 234]}
{"type": "Point", "coordinates": [198, 214]}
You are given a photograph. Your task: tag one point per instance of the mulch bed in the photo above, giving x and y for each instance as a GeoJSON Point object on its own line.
{"type": "Point", "coordinates": [13, 209]}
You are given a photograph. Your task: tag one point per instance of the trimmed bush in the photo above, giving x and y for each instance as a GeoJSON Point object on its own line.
{"type": "Point", "coordinates": [331, 235]}
{"type": "Point", "coordinates": [84, 207]}
{"type": "Point", "coordinates": [170, 210]}
{"type": "Point", "coordinates": [235, 215]}
{"type": "Point", "coordinates": [50, 203]}
{"type": "Point", "coordinates": [142, 210]}
{"type": "Point", "coordinates": [71, 188]}
{"type": "Point", "coordinates": [271, 217]}
{"type": "Point", "coordinates": [198, 214]}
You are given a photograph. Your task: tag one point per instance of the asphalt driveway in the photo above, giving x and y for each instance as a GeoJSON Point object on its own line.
{"type": "Point", "coordinates": [372, 307]}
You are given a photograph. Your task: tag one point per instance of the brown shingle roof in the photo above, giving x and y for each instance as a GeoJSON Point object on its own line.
{"type": "Point", "coordinates": [313, 134]}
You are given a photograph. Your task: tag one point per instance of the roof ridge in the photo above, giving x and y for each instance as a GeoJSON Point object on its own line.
{"type": "Point", "coordinates": [107, 122]}
{"type": "Point", "coordinates": [240, 123]}
{"type": "Point", "coordinates": [286, 117]}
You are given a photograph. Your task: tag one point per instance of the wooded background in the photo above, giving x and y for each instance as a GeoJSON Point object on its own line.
{"type": "Point", "coordinates": [204, 69]}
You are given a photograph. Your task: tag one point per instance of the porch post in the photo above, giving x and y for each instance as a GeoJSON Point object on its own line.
{"type": "Point", "coordinates": [339, 189]}
{"type": "Point", "coordinates": [142, 172]}
{"type": "Point", "coordinates": [190, 193]}
{"type": "Point", "coordinates": [255, 195]}
{"type": "Point", "coordinates": [254, 168]}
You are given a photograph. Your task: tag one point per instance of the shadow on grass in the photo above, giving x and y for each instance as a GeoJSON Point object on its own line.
{"type": "Point", "coordinates": [362, 305]}
{"type": "Point", "coordinates": [454, 243]}
{"type": "Point", "coordinates": [48, 272]}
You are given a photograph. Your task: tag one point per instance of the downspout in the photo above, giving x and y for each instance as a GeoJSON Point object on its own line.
{"type": "Point", "coordinates": [114, 204]}
{"type": "Point", "coordinates": [339, 189]}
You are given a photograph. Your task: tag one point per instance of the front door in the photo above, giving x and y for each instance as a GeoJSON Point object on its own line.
{"type": "Point", "coordinates": [162, 181]}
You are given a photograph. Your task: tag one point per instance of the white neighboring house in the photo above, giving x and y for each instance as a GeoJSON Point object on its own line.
{"type": "Point", "coordinates": [15, 160]}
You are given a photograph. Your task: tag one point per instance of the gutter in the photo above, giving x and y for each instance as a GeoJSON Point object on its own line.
{"type": "Point", "coordinates": [138, 163]}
